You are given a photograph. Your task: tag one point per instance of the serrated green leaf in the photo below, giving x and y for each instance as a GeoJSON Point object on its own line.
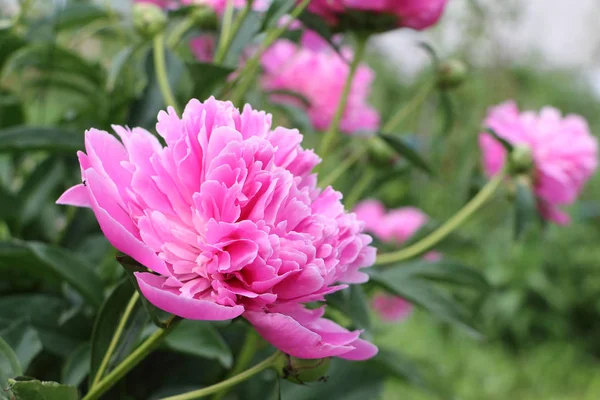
{"type": "Point", "coordinates": [77, 366]}
{"type": "Point", "coordinates": [30, 138]}
{"type": "Point", "coordinates": [46, 261]}
{"type": "Point", "coordinates": [405, 150]}
{"type": "Point", "coordinates": [200, 338]}
{"type": "Point", "coordinates": [37, 390]}
{"type": "Point", "coordinates": [25, 341]}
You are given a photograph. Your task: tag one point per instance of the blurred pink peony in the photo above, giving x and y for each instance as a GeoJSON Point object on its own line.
{"type": "Point", "coordinates": [416, 14]}
{"type": "Point", "coordinates": [565, 154]}
{"type": "Point", "coordinates": [230, 220]}
{"type": "Point", "coordinates": [317, 73]}
{"type": "Point", "coordinates": [391, 308]}
{"type": "Point", "coordinates": [394, 226]}
{"type": "Point", "coordinates": [203, 47]}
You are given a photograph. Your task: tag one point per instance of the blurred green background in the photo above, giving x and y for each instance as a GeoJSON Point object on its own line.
{"type": "Point", "coordinates": [541, 321]}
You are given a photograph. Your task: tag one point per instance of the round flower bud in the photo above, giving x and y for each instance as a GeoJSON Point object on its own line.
{"type": "Point", "coordinates": [452, 73]}
{"type": "Point", "coordinates": [521, 160]}
{"type": "Point", "coordinates": [301, 371]}
{"type": "Point", "coordinates": [148, 19]}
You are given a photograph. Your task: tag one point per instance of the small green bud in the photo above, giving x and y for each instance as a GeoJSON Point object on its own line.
{"type": "Point", "coordinates": [521, 160]}
{"type": "Point", "coordinates": [452, 73]}
{"type": "Point", "coordinates": [204, 17]}
{"type": "Point", "coordinates": [148, 19]}
{"type": "Point", "coordinates": [381, 154]}
{"type": "Point", "coordinates": [301, 371]}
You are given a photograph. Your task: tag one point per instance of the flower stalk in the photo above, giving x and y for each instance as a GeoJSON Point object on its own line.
{"type": "Point", "coordinates": [229, 33]}
{"type": "Point", "coordinates": [228, 383]}
{"type": "Point", "coordinates": [151, 343]}
{"type": "Point", "coordinates": [410, 107]}
{"type": "Point", "coordinates": [115, 339]}
{"type": "Point", "coordinates": [161, 72]}
{"type": "Point", "coordinates": [330, 135]}
{"type": "Point", "coordinates": [448, 227]}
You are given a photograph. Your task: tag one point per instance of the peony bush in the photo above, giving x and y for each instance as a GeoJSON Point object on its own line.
{"type": "Point", "coordinates": [239, 246]}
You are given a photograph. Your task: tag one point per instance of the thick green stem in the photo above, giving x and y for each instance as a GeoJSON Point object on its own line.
{"type": "Point", "coordinates": [161, 72]}
{"type": "Point", "coordinates": [115, 339]}
{"type": "Point", "coordinates": [345, 165]}
{"type": "Point", "coordinates": [448, 227]}
{"type": "Point", "coordinates": [129, 363]}
{"type": "Point", "coordinates": [228, 383]}
{"type": "Point", "coordinates": [225, 42]}
{"type": "Point", "coordinates": [409, 108]}
{"type": "Point", "coordinates": [243, 360]}
{"type": "Point", "coordinates": [330, 136]}
{"type": "Point", "coordinates": [247, 74]}
{"type": "Point", "coordinates": [359, 188]}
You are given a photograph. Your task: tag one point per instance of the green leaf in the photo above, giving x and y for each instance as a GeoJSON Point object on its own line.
{"type": "Point", "coordinates": [106, 323]}
{"type": "Point", "coordinates": [9, 362]}
{"type": "Point", "coordinates": [446, 271]}
{"type": "Point", "coordinates": [526, 210]}
{"type": "Point", "coordinates": [354, 304]}
{"type": "Point", "coordinates": [77, 366]}
{"type": "Point", "coordinates": [77, 15]}
{"type": "Point", "coordinates": [122, 59]}
{"type": "Point", "coordinates": [37, 390]}
{"type": "Point", "coordinates": [206, 78]}
{"type": "Point", "coordinates": [30, 138]}
{"type": "Point", "coordinates": [9, 43]}
{"type": "Point", "coordinates": [158, 316]}
{"type": "Point", "coordinates": [42, 312]}
{"type": "Point", "coordinates": [426, 295]}
{"type": "Point", "coordinates": [42, 260]}
{"type": "Point", "coordinates": [403, 149]}
{"type": "Point", "coordinates": [38, 188]}
{"type": "Point", "coordinates": [24, 339]}
{"type": "Point", "coordinates": [11, 109]}
{"type": "Point", "coordinates": [200, 338]}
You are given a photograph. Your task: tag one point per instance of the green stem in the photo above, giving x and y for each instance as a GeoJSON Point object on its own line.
{"type": "Point", "coordinates": [329, 138]}
{"type": "Point", "coordinates": [130, 362]}
{"type": "Point", "coordinates": [448, 227]}
{"type": "Point", "coordinates": [180, 30]}
{"type": "Point", "coordinates": [409, 108]}
{"type": "Point", "coordinates": [225, 42]}
{"type": "Point", "coordinates": [161, 72]}
{"type": "Point", "coordinates": [115, 339]}
{"type": "Point", "coordinates": [243, 360]}
{"type": "Point", "coordinates": [344, 166]}
{"type": "Point", "coordinates": [226, 34]}
{"type": "Point", "coordinates": [228, 383]}
{"type": "Point", "coordinates": [247, 74]}
{"type": "Point", "coordinates": [358, 189]}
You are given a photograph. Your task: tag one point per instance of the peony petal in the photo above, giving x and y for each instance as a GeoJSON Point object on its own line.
{"type": "Point", "coordinates": [75, 196]}
{"type": "Point", "coordinates": [197, 309]}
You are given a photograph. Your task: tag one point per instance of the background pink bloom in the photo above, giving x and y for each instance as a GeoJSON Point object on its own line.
{"type": "Point", "coordinates": [230, 220]}
{"type": "Point", "coordinates": [318, 73]}
{"type": "Point", "coordinates": [391, 308]}
{"type": "Point", "coordinates": [203, 47]}
{"type": "Point", "coordinates": [416, 14]}
{"type": "Point", "coordinates": [394, 226]}
{"type": "Point", "coordinates": [565, 154]}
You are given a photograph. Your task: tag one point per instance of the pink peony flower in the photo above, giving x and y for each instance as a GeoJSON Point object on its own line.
{"type": "Point", "coordinates": [203, 47]}
{"type": "Point", "coordinates": [391, 308]}
{"type": "Point", "coordinates": [416, 14]}
{"type": "Point", "coordinates": [318, 74]}
{"type": "Point", "coordinates": [564, 152]}
{"type": "Point", "coordinates": [230, 220]}
{"type": "Point", "coordinates": [394, 226]}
